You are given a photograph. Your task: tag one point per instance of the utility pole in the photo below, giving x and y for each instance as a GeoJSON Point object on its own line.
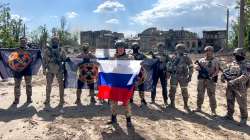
{"type": "Point", "coordinates": [227, 25]}
{"type": "Point", "coordinates": [227, 35]}
{"type": "Point", "coordinates": [242, 20]}
{"type": "Point", "coordinates": [24, 30]}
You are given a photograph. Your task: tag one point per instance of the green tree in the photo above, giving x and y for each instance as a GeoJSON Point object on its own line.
{"type": "Point", "coordinates": [10, 29]}
{"type": "Point", "coordinates": [235, 28]}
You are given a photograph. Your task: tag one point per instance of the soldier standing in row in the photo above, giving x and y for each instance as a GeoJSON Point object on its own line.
{"type": "Point", "coordinates": [237, 75]}
{"type": "Point", "coordinates": [86, 56]}
{"type": "Point", "coordinates": [26, 73]}
{"type": "Point", "coordinates": [161, 73]}
{"type": "Point", "coordinates": [208, 68]}
{"type": "Point", "coordinates": [120, 46]}
{"type": "Point", "coordinates": [53, 66]}
{"type": "Point", "coordinates": [180, 69]}
{"type": "Point", "coordinates": [139, 56]}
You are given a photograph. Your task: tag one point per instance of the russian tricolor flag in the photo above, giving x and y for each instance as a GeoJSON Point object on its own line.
{"type": "Point", "coordinates": [117, 79]}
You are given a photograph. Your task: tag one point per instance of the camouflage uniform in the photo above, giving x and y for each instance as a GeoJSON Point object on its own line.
{"type": "Point", "coordinates": [114, 104]}
{"type": "Point", "coordinates": [86, 56]}
{"type": "Point", "coordinates": [180, 68]}
{"type": "Point", "coordinates": [212, 67]}
{"type": "Point", "coordinates": [27, 74]}
{"type": "Point", "coordinates": [237, 75]}
{"type": "Point", "coordinates": [161, 74]}
{"type": "Point", "coordinates": [139, 56]}
{"type": "Point", "coordinates": [53, 66]}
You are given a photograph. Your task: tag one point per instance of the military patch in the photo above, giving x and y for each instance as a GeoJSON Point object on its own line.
{"type": "Point", "coordinates": [18, 61]}
{"type": "Point", "coordinates": [88, 73]}
{"type": "Point", "coordinates": [142, 76]}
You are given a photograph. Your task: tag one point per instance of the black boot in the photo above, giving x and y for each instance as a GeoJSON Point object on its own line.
{"type": "Point", "coordinates": [16, 101]}
{"type": "Point", "coordinates": [29, 100]}
{"type": "Point", "coordinates": [143, 102]}
{"type": "Point", "coordinates": [92, 100]}
{"type": "Point", "coordinates": [78, 101]}
{"type": "Point", "coordinates": [129, 123]}
{"type": "Point", "coordinates": [131, 101]}
{"type": "Point", "coordinates": [172, 104]}
{"type": "Point", "coordinates": [113, 120]}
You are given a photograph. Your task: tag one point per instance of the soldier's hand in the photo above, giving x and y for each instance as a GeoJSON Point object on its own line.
{"type": "Point", "coordinates": [167, 75]}
{"type": "Point", "coordinates": [230, 83]}
{"type": "Point", "coordinates": [198, 68]}
{"type": "Point", "coordinates": [189, 78]}
{"type": "Point", "coordinates": [44, 72]}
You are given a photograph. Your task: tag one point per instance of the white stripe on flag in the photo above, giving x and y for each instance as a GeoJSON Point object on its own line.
{"type": "Point", "coordinates": [120, 66]}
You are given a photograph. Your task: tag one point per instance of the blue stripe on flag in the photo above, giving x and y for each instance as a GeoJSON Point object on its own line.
{"type": "Point", "coordinates": [116, 80]}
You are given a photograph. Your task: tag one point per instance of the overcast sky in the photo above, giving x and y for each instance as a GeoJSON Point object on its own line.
{"type": "Point", "coordinates": [128, 16]}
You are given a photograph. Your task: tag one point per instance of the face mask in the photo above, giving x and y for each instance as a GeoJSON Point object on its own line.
{"type": "Point", "coordinates": [22, 47]}
{"type": "Point", "coordinates": [239, 58]}
{"type": "Point", "coordinates": [135, 51]}
{"type": "Point", "coordinates": [54, 46]}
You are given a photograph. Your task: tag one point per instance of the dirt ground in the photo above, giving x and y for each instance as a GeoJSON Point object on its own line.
{"type": "Point", "coordinates": [88, 122]}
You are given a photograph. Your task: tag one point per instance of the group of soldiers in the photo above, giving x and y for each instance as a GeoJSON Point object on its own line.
{"type": "Point", "coordinates": [178, 68]}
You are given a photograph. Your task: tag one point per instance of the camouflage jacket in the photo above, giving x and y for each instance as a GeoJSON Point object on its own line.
{"type": "Point", "coordinates": [123, 57]}
{"type": "Point", "coordinates": [238, 74]}
{"type": "Point", "coordinates": [53, 60]}
{"type": "Point", "coordinates": [139, 56]}
{"type": "Point", "coordinates": [86, 56]}
{"type": "Point", "coordinates": [181, 66]}
{"type": "Point", "coordinates": [163, 59]}
{"type": "Point", "coordinates": [211, 65]}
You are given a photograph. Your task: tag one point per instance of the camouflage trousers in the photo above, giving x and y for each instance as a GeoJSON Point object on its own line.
{"type": "Point", "coordinates": [50, 78]}
{"type": "Point", "coordinates": [141, 95]}
{"type": "Point", "coordinates": [241, 96]}
{"type": "Point", "coordinates": [17, 88]}
{"type": "Point", "coordinates": [114, 108]}
{"type": "Point", "coordinates": [174, 82]}
{"type": "Point", "coordinates": [210, 86]}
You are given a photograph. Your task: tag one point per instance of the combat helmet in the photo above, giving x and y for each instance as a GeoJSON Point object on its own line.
{"type": "Point", "coordinates": [135, 46]}
{"type": "Point", "coordinates": [121, 44]}
{"type": "Point", "coordinates": [180, 48]}
{"type": "Point", "coordinates": [239, 52]}
{"type": "Point", "coordinates": [209, 48]}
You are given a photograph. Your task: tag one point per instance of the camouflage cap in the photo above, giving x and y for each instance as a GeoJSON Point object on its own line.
{"type": "Point", "coordinates": [209, 48]}
{"type": "Point", "coordinates": [239, 52]}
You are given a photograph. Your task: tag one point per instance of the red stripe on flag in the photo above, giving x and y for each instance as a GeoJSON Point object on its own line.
{"type": "Point", "coordinates": [115, 94]}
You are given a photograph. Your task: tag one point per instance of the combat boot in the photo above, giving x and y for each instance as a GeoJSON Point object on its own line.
{"type": "Point", "coordinates": [186, 107]}
{"type": "Point", "coordinates": [213, 113]}
{"type": "Point", "coordinates": [92, 100]}
{"type": "Point", "coordinates": [166, 103]}
{"type": "Point", "coordinates": [228, 117]}
{"type": "Point", "coordinates": [143, 102]}
{"type": "Point", "coordinates": [29, 100]}
{"type": "Point", "coordinates": [131, 101]}
{"type": "Point", "coordinates": [129, 123]}
{"type": "Point", "coordinates": [113, 120]}
{"type": "Point", "coordinates": [78, 101]}
{"type": "Point", "coordinates": [16, 101]}
{"type": "Point", "coordinates": [46, 102]}
{"type": "Point", "coordinates": [243, 121]}
{"type": "Point", "coordinates": [172, 104]}
{"type": "Point", "coordinates": [198, 109]}
{"type": "Point", "coordinates": [61, 103]}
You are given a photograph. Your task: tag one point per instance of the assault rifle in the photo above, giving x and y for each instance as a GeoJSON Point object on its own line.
{"type": "Point", "coordinates": [204, 74]}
